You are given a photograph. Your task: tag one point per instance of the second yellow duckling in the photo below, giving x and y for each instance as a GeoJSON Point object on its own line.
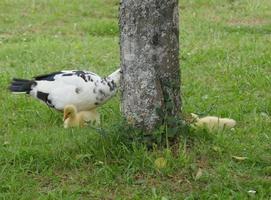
{"type": "Point", "coordinates": [213, 123]}
{"type": "Point", "coordinates": [72, 118]}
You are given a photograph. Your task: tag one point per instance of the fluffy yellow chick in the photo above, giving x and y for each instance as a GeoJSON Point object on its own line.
{"type": "Point", "coordinates": [213, 122]}
{"type": "Point", "coordinates": [72, 118]}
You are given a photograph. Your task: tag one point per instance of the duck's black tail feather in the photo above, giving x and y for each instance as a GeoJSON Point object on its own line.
{"type": "Point", "coordinates": [21, 85]}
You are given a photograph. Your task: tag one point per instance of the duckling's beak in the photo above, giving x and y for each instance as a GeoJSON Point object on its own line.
{"type": "Point", "coordinates": [65, 117]}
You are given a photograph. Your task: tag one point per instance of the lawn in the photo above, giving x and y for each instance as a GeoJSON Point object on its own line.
{"type": "Point", "coordinates": [226, 71]}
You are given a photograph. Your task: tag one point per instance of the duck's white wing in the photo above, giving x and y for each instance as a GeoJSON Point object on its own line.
{"type": "Point", "coordinates": [81, 95]}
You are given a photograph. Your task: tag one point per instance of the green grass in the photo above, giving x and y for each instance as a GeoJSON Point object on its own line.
{"type": "Point", "coordinates": [226, 70]}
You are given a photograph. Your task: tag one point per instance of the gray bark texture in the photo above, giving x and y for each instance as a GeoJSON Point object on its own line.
{"type": "Point", "coordinates": [149, 47]}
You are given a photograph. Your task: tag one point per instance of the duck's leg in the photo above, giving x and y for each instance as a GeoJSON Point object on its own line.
{"type": "Point", "coordinates": [89, 117]}
{"type": "Point", "coordinates": [95, 116]}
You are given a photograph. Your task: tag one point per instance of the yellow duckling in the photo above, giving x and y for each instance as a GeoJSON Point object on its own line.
{"type": "Point", "coordinates": [72, 118]}
{"type": "Point", "coordinates": [213, 122]}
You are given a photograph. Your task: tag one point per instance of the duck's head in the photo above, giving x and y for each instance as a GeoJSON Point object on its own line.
{"type": "Point", "coordinates": [69, 111]}
{"type": "Point", "coordinates": [195, 116]}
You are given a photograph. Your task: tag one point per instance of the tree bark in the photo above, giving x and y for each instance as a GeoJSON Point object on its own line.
{"type": "Point", "coordinates": [149, 47]}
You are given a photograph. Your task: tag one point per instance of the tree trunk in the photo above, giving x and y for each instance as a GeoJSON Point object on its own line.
{"type": "Point", "coordinates": [149, 46]}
